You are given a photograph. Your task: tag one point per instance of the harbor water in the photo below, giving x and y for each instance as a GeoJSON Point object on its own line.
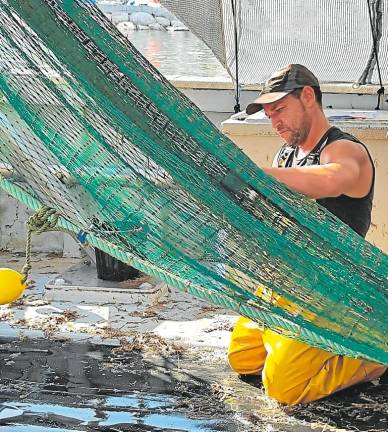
{"type": "Point", "coordinates": [178, 53]}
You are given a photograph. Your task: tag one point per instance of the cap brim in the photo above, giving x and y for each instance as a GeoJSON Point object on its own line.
{"type": "Point", "coordinates": [257, 105]}
{"type": "Point", "coordinates": [253, 108]}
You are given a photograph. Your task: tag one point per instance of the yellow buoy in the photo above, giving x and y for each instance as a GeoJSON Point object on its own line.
{"type": "Point", "coordinates": [11, 285]}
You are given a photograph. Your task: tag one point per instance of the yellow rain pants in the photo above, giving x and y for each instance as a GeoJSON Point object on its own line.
{"type": "Point", "coordinates": [292, 371]}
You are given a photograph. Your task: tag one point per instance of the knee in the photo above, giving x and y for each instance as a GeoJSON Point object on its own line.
{"type": "Point", "coordinates": [284, 386]}
{"type": "Point", "coordinates": [245, 362]}
{"type": "Point", "coordinates": [278, 391]}
{"type": "Point", "coordinates": [283, 383]}
{"type": "Point", "coordinates": [288, 369]}
{"type": "Point", "coordinates": [246, 354]}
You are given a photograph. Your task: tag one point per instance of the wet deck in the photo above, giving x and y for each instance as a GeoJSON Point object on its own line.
{"type": "Point", "coordinates": [93, 365]}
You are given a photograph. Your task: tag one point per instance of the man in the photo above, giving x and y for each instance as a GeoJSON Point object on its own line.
{"type": "Point", "coordinates": [336, 169]}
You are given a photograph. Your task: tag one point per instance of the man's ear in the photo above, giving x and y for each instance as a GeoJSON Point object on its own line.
{"type": "Point", "coordinates": [308, 96]}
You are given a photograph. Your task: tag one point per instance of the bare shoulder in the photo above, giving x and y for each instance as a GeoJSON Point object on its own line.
{"type": "Point", "coordinates": [355, 163]}
{"type": "Point", "coordinates": [344, 149]}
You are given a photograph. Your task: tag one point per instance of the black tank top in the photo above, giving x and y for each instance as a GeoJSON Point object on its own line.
{"type": "Point", "coordinates": [355, 212]}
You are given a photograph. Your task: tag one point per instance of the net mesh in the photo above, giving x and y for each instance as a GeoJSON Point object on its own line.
{"type": "Point", "coordinates": [332, 38]}
{"type": "Point", "coordinates": [90, 128]}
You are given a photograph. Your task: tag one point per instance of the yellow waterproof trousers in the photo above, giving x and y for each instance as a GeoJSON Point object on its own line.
{"type": "Point", "coordinates": [292, 371]}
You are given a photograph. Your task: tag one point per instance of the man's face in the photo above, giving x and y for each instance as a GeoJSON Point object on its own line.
{"type": "Point", "coordinates": [290, 119]}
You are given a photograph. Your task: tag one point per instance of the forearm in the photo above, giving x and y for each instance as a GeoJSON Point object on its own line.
{"type": "Point", "coordinates": [319, 181]}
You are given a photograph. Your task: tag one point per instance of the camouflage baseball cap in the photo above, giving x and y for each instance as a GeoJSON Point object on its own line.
{"type": "Point", "coordinates": [281, 83]}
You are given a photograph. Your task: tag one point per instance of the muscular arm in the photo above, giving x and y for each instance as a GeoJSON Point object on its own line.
{"type": "Point", "coordinates": [343, 170]}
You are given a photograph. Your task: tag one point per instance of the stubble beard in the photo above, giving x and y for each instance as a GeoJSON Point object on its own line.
{"type": "Point", "coordinates": [299, 136]}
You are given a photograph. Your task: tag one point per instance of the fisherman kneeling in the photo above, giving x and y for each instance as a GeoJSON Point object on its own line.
{"type": "Point", "coordinates": [336, 170]}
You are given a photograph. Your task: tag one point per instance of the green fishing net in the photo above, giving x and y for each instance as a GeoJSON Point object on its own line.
{"type": "Point", "coordinates": [91, 129]}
